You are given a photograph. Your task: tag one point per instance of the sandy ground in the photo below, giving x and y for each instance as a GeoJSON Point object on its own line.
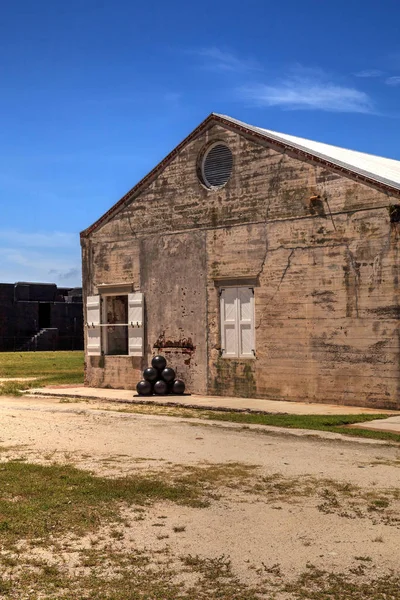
{"type": "Point", "coordinates": [249, 528]}
{"type": "Point", "coordinates": [207, 402]}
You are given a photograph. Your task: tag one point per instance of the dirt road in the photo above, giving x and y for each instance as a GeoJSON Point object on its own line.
{"type": "Point", "coordinates": [309, 501]}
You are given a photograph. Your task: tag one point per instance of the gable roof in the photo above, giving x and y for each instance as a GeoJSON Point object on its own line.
{"type": "Point", "coordinates": [377, 170]}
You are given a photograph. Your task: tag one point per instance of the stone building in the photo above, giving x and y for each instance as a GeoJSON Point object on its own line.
{"type": "Point", "coordinates": [258, 263]}
{"type": "Point", "coordinates": [40, 316]}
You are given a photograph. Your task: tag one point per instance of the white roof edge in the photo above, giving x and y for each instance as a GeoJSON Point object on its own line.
{"type": "Point", "coordinates": [376, 168]}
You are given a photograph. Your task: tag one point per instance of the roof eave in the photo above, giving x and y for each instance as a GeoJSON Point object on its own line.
{"type": "Point", "coordinates": [148, 178]}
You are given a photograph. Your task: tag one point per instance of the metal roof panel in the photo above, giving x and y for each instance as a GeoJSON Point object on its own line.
{"type": "Point", "coordinates": [378, 168]}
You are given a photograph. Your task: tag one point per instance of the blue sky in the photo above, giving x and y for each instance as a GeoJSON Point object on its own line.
{"type": "Point", "coordinates": [95, 93]}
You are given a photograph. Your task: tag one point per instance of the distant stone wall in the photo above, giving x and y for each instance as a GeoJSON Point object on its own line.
{"type": "Point", "coordinates": [20, 317]}
{"type": "Point", "coordinates": [319, 246]}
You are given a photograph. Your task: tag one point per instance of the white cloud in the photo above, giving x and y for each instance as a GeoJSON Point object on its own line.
{"type": "Point", "coordinates": [44, 257]}
{"type": "Point", "coordinates": [393, 81]}
{"type": "Point", "coordinates": [221, 60]}
{"type": "Point", "coordinates": [23, 265]}
{"type": "Point", "coordinates": [369, 73]}
{"type": "Point", "coordinates": [72, 274]}
{"type": "Point", "coordinates": [308, 89]}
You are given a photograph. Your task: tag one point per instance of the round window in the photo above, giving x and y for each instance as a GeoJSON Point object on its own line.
{"type": "Point", "coordinates": [217, 164]}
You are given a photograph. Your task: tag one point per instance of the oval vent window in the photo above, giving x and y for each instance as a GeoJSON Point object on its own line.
{"type": "Point", "coordinates": [217, 166]}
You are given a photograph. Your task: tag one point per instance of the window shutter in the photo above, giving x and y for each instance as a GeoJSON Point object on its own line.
{"type": "Point", "coordinates": [135, 324]}
{"type": "Point", "coordinates": [229, 322]}
{"type": "Point", "coordinates": [246, 322]}
{"type": "Point", "coordinates": [93, 325]}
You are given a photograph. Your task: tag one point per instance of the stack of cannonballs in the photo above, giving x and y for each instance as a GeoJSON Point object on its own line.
{"type": "Point", "coordinates": [159, 379]}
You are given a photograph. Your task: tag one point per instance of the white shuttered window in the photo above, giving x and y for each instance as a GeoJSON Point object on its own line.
{"type": "Point", "coordinates": [135, 324]}
{"type": "Point", "coordinates": [237, 322]}
{"type": "Point", "coordinates": [93, 325]}
{"type": "Point", "coordinates": [115, 324]}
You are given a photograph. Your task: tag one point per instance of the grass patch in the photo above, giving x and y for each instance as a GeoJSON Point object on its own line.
{"type": "Point", "coordinates": [344, 499]}
{"type": "Point", "coordinates": [210, 476]}
{"type": "Point", "coordinates": [333, 423]}
{"type": "Point", "coordinates": [50, 368]}
{"type": "Point", "coordinates": [38, 501]}
{"type": "Point", "coordinates": [316, 584]}
{"type": "Point", "coordinates": [217, 580]}
{"type": "Point", "coordinates": [43, 501]}
{"type": "Point", "coordinates": [110, 574]}
{"type": "Point", "coordinates": [54, 507]}
{"type": "Point", "coordinates": [13, 388]}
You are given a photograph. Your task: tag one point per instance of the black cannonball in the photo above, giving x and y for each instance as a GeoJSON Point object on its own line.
{"type": "Point", "coordinates": [178, 387]}
{"type": "Point", "coordinates": [168, 374]}
{"type": "Point", "coordinates": [159, 363]}
{"type": "Point", "coordinates": [144, 388]}
{"type": "Point", "coordinates": [150, 374]}
{"type": "Point", "coordinates": [160, 388]}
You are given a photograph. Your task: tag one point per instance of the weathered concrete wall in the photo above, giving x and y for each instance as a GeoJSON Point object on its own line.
{"type": "Point", "coordinates": [172, 277]}
{"type": "Point", "coordinates": [325, 272]}
{"type": "Point", "coordinates": [121, 372]}
{"type": "Point", "coordinates": [105, 262]}
{"type": "Point", "coordinates": [326, 311]}
{"type": "Point", "coordinates": [173, 272]}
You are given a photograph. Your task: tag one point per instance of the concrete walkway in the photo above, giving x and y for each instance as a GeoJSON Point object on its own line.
{"type": "Point", "coordinates": [208, 402]}
{"type": "Point", "coordinates": [392, 425]}
{"type": "Point", "coordinates": [7, 379]}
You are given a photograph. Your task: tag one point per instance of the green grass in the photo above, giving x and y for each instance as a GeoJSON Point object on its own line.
{"type": "Point", "coordinates": [333, 423]}
{"type": "Point", "coordinates": [49, 367]}
{"type": "Point", "coordinates": [44, 501]}
{"type": "Point", "coordinates": [55, 506]}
